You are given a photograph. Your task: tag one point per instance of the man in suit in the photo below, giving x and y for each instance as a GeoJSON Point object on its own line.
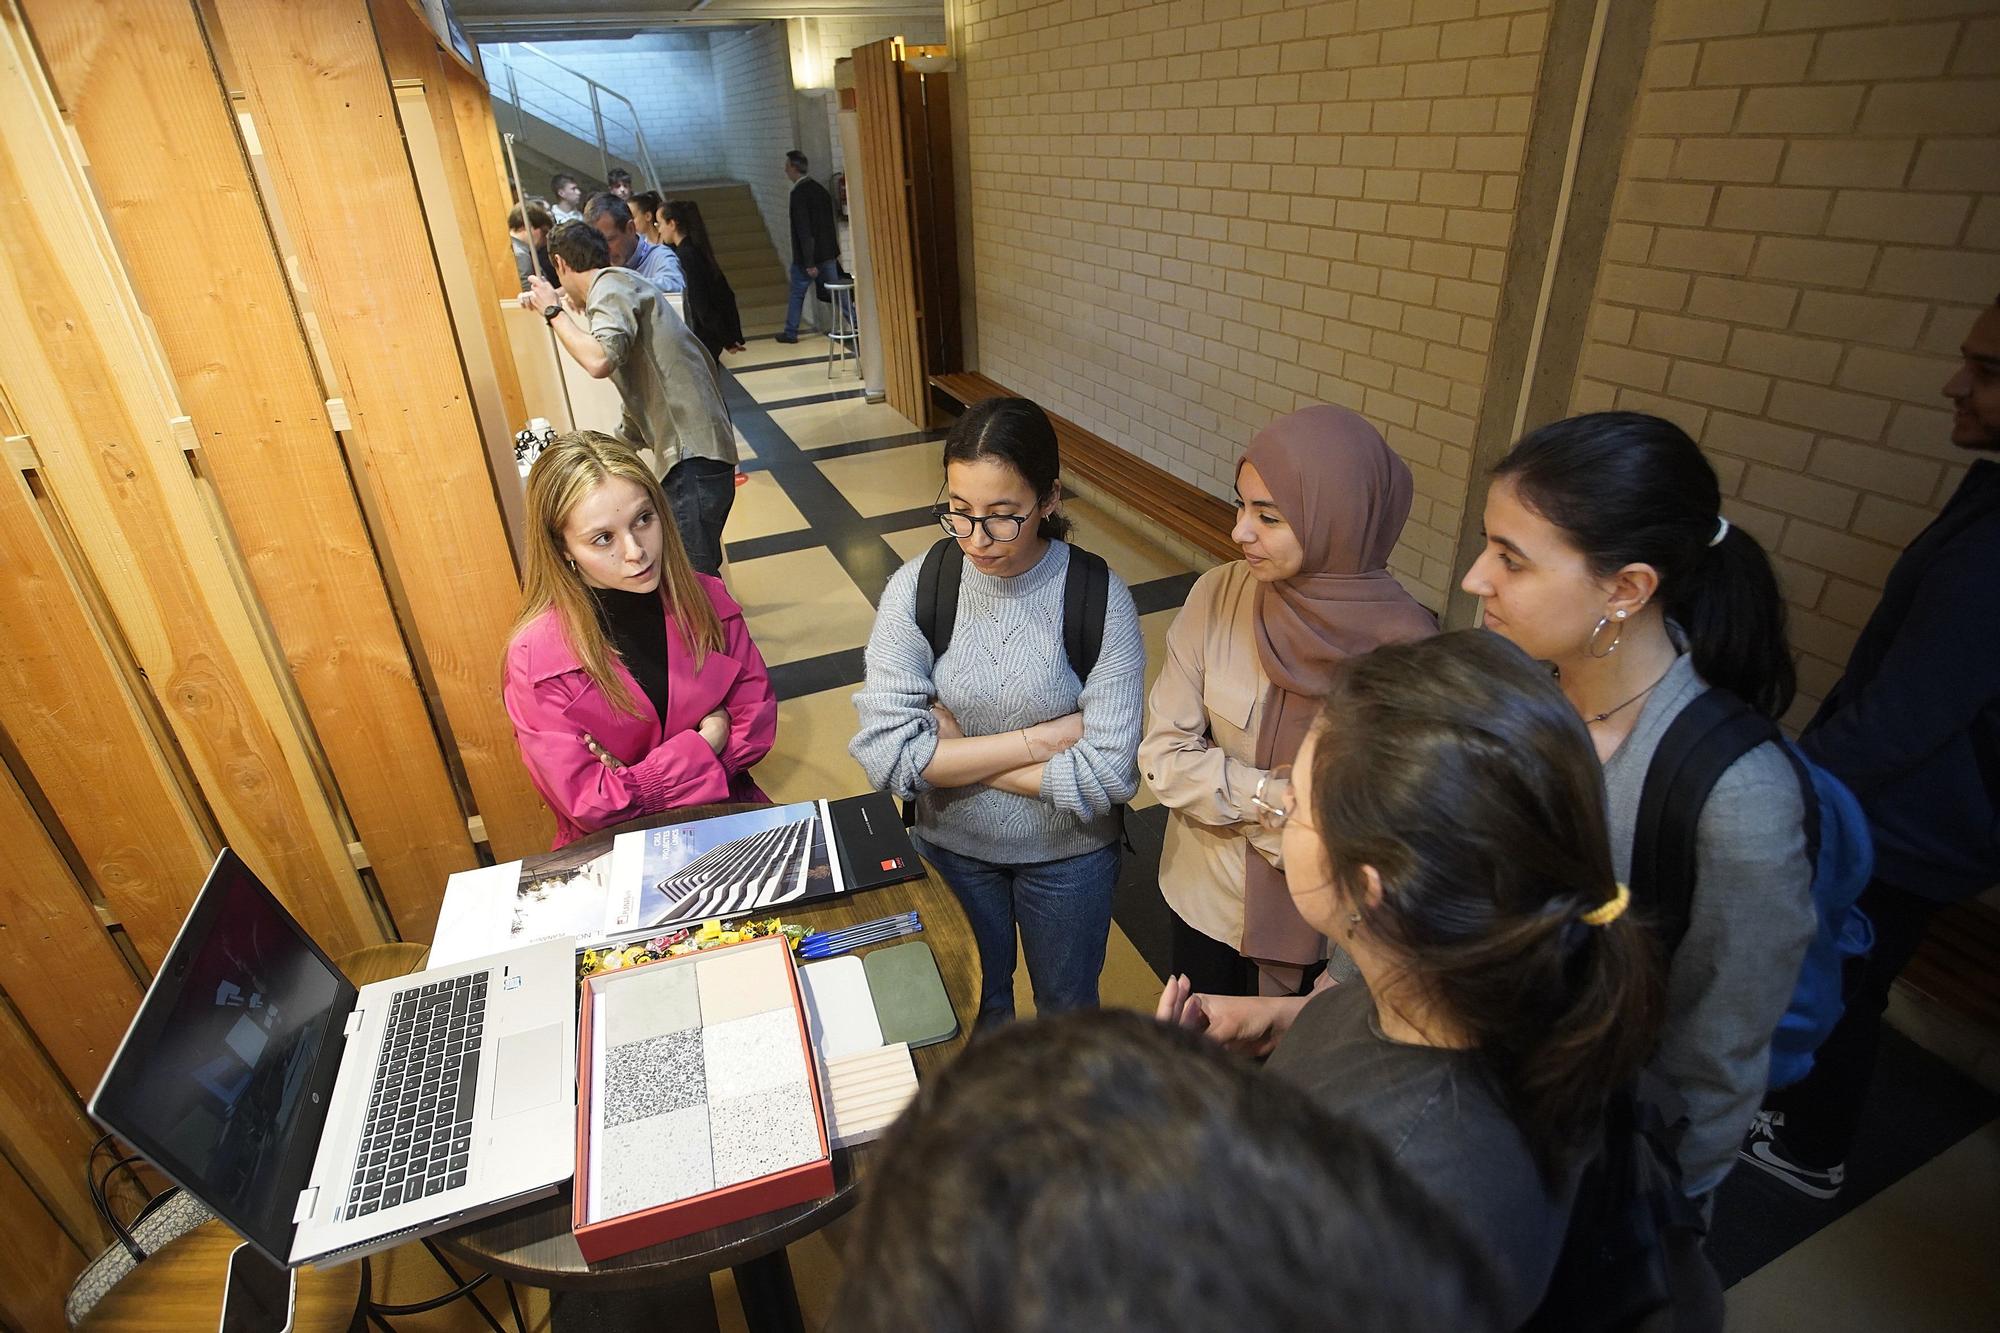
{"type": "Point", "coordinates": [815, 242]}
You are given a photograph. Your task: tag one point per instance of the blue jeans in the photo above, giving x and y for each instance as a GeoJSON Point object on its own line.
{"type": "Point", "coordinates": [1063, 909]}
{"type": "Point", "coordinates": [701, 492]}
{"type": "Point", "coordinates": [829, 271]}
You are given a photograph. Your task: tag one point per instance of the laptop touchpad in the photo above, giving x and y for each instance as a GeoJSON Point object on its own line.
{"type": "Point", "coordinates": [529, 1070]}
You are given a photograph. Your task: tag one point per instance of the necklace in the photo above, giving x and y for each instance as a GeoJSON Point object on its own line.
{"type": "Point", "coordinates": [1596, 718]}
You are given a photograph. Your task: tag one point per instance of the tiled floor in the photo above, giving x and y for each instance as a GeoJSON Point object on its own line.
{"type": "Point", "coordinates": [833, 506]}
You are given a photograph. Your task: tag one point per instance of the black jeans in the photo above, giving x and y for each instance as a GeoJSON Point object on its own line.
{"type": "Point", "coordinates": [700, 491]}
{"type": "Point", "coordinates": [1823, 1109]}
{"type": "Point", "coordinates": [1211, 967]}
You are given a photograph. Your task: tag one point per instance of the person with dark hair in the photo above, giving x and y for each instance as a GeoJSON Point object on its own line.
{"type": "Point", "coordinates": [815, 241]}
{"type": "Point", "coordinates": [618, 326]}
{"type": "Point", "coordinates": [711, 301]}
{"type": "Point", "coordinates": [1913, 729]}
{"type": "Point", "coordinates": [646, 213]}
{"type": "Point", "coordinates": [1445, 823]}
{"type": "Point", "coordinates": [1097, 1171]}
{"type": "Point", "coordinates": [1608, 558]}
{"type": "Point", "coordinates": [1016, 767]}
{"type": "Point", "coordinates": [613, 219]}
{"type": "Point", "coordinates": [567, 193]}
{"type": "Point", "coordinates": [1321, 501]}
{"type": "Point", "coordinates": [529, 234]}
{"type": "Point", "coordinates": [618, 182]}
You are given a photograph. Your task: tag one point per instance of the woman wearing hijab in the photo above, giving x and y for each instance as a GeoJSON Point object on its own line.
{"type": "Point", "coordinates": [1321, 502]}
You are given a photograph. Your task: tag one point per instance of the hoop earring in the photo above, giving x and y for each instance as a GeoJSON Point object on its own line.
{"type": "Point", "coordinates": [1590, 645]}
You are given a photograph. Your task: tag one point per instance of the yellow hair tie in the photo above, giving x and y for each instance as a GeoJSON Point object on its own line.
{"type": "Point", "coordinates": [1609, 912]}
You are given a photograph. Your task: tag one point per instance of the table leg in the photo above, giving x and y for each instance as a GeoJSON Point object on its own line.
{"type": "Point", "coordinates": [770, 1301]}
{"type": "Point", "coordinates": [686, 1308]}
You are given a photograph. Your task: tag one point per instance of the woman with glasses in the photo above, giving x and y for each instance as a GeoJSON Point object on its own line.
{"type": "Point", "coordinates": [1320, 503]}
{"type": "Point", "coordinates": [1445, 823]}
{"type": "Point", "coordinates": [1016, 767]}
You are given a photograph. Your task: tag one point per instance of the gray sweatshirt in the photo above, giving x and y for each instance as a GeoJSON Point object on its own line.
{"type": "Point", "coordinates": [1005, 669]}
{"type": "Point", "coordinates": [1748, 926]}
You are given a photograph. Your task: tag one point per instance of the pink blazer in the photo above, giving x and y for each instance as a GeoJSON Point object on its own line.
{"type": "Point", "coordinates": [553, 703]}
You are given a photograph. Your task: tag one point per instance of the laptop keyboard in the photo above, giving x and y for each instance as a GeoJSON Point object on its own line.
{"type": "Point", "coordinates": [418, 1134]}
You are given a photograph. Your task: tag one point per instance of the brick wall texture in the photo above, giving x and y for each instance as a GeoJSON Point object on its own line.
{"type": "Point", "coordinates": [1191, 216]}
{"type": "Point", "coordinates": [753, 89]}
{"type": "Point", "coordinates": [1807, 222]}
{"type": "Point", "coordinates": [839, 36]}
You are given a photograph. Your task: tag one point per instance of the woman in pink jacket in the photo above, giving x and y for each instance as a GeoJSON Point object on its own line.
{"type": "Point", "coordinates": [631, 680]}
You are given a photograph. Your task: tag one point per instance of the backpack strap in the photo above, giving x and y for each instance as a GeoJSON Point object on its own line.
{"type": "Point", "coordinates": [937, 594]}
{"type": "Point", "coordinates": [1086, 594]}
{"type": "Point", "coordinates": [1710, 734]}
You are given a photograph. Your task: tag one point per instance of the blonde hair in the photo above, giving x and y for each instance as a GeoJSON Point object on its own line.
{"type": "Point", "coordinates": [568, 470]}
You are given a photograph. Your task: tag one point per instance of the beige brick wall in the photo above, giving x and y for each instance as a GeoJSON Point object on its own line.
{"type": "Point", "coordinates": [1192, 216]}
{"type": "Point", "coordinates": [1807, 222]}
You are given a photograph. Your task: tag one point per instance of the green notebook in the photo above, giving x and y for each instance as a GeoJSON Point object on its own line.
{"type": "Point", "coordinates": [910, 1002]}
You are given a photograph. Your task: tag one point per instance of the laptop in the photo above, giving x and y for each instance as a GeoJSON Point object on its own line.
{"type": "Point", "coordinates": [322, 1122]}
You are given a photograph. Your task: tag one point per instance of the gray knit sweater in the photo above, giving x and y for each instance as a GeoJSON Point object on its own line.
{"type": "Point", "coordinates": [1005, 669]}
{"type": "Point", "coordinates": [1748, 926]}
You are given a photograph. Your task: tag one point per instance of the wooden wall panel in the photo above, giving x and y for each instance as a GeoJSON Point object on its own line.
{"type": "Point", "coordinates": [38, 1262]}
{"type": "Point", "coordinates": [314, 81]}
{"type": "Point", "coordinates": [891, 246]}
{"type": "Point", "coordinates": [45, 1132]}
{"type": "Point", "coordinates": [485, 170]}
{"type": "Point", "coordinates": [140, 87]}
{"type": "Point", "coordinates": [84, 379]}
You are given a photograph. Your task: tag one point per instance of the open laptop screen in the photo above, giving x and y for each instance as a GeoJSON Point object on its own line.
{"type": "Point", "coordinates": [221, 1082]}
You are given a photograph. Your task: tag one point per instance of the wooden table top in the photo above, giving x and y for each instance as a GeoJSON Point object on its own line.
{"type": "Point", "coordinates": [180, 1288]}
{"type": "Point", "coordinates": [532, 1244]}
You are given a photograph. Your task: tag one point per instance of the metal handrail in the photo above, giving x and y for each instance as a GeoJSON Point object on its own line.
{"type": "Point", "coordinates": [598, 92]}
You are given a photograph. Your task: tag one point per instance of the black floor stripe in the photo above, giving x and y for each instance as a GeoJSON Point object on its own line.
{"type": "Point", "coordinates": [819, 360]}
{"type": "Point", "coordinates": [1162, 594]}
{"type": "Point", "coordinates": [805, 539]}
{"type": "Point", "coordinates": [828, 671]}
{"type": "Point", "coordinates": [882, 442]}
{"type": "Point", "coordinates": [811, 398]}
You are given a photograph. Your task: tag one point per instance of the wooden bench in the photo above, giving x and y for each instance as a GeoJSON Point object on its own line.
{"type": "Point", "coordinates": [1958, 965]}
{"type": "Point", "coordinates": [1184, 510]}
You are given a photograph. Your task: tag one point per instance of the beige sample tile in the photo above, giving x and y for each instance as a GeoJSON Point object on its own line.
{"type": "Point", "coordinates": [810, 760]}
{"type": "Point", "coordinates": [761, 508]}
{"type": "Point", "coordinates": [841, 422]}
{"type": "Point", "coordinates": [800, 604]}
{"type": "Point", "coordinates": [887, 480]}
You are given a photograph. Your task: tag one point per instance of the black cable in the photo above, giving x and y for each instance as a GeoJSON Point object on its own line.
{"type": "Point", "coordinates": [103, 1205]}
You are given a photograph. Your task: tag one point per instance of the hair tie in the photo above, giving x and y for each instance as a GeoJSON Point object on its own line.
{"type": "Point", "coordinates": [1721, 530]}
{"type": "Point", "coordinates": [1610, 911]}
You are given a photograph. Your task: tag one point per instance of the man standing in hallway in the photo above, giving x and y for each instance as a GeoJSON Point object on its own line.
{"type": "Point", "coordinates": [657, 264]}
{"type": "Point", "coordinates": [815, 243]}
{"type": "Point", "coordinates": [529, 234]}
{"type": "Point", "coordinates": [568, 204]}
{"type": "Point", "coordinates": [1913, 728]}
{"type": "Point", "coordinates": [618, 326]}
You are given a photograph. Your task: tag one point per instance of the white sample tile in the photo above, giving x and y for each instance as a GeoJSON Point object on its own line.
{"type": "Point", "coordinates": [645, 1163]}
{"type": "Point", "coordinates": [650, 1002]}
{"type": "Point", "coordinates": [751, 1055]}
{"type": "Point", "coordinates": [840, 1008]}
{"type": "Point", "coordinates": [762, 1133]}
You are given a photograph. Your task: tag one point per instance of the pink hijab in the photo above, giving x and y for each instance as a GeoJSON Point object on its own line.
{"type": "Point", "coordinates": [1346, 496]}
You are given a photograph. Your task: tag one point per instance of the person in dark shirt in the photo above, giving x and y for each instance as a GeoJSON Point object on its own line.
{"type": "Point", "coordinates": [1913, 728]}
{"type": "Point", "coordinates": [711, 302]}
{"type": "Point", "coordinates": [815, 241]}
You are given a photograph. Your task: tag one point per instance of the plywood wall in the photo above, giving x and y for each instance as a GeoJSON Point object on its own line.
{"type": "Point", "coordinates": [255, 582]}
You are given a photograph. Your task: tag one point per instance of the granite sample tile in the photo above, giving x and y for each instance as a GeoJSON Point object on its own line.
{"type": "Point", "coordinates": [660, 1159]}
{"type": "Point", "coordinates": [754, 1054]}
{"type": "Point", "coordinates": [651, 1002]}
{"type": "Point", "coordinates": [762, 1133]}
{"type": "Point", "coordinates": [740, 981]}
{"type": "Point", "coordinates": [652, 1077]}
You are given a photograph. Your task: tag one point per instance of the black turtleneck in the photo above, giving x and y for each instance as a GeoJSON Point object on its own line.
{"type": "Point", "coordinates": [636, 623]}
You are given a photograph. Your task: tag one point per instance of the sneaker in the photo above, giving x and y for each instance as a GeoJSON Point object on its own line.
{"type": "Point", "coordinates": [786, 338]}
{"type": "Point", "coordinates": [1764, 1149]}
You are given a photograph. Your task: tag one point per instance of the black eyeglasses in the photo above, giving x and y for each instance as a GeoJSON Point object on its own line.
{"type": "Point", "coordinates": [999, 527]}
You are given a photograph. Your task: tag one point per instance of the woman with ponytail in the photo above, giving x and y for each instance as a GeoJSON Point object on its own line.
{"type": "Point", "coordinates": [1444, 824]}
{"type": "Point", "coordinates": [1608, 558]}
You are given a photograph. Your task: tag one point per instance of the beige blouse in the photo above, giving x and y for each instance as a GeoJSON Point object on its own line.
{"type": "Point", "coordinates": [1199, 753]}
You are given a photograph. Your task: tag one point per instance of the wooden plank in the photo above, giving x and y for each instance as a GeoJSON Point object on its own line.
{"type": "Point", "coordinates": [44, 1131]}
{"type": "Point", "coordinates": [142, 91]}
{"type": "Point", "coordinates": [486, 170]}
{"type": "Point", "coordinates": [39, 1261]}
{"type": "Point", "coordinates": [313, 79]}
{"type": "Point", "coordinates": [885, 183]}
{"type": "Point", "coordinates": [82, 377]}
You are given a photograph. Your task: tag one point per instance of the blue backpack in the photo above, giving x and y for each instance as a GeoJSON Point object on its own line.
{"type": "Point", "coordinates": [1710, 734]}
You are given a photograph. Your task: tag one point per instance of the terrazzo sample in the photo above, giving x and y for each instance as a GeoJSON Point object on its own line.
{"type": "Point", "coordinates": [754, 1054]}
{"type": "Point", "coordinates": [650, 1078]}
{"type": "Point", "coordinates": [652, 1002]}
{"type": "Point", "coordinates": [663, 1159]}
{"type": "Point", "coordinates": [763, 1132]}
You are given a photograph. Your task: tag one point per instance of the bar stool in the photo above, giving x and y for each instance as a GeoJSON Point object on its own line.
{"type": "Point", "coordinates": [843, 340]}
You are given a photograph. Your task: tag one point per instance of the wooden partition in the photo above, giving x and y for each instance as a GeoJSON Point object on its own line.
{"type": "Point", "coordinates": [892, 246]}
{"type": "Point", "coordinates": [255, 579]}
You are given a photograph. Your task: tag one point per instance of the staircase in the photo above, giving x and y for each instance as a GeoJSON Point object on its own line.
{"type": "Point", "coordinates": [761, 279]}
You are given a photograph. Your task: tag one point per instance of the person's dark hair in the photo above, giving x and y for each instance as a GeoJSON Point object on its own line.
{"type": "Point", "coordinates": [645, 201]}
{"type": "Point", "coordinates": [797, 159]}
{"type": "Point", "coordinates": [617, 176]}
{"type": "Point", "coordinates": [1628, 488]}
{"type": "Point", "coordinates": [1016, 432]}
{"type": "Point", "coordinates": [605, 203]}
{"type": "Point", "coordinates": [560, 179]}
{"type": "Point", "coordinates": [686, 214]}
{"type": "Point", "coordinates": [1456, 768]}
{"type": "Point", "coordinates": [537, 217]}
{"type": "Point", "coordinates": [581, 246]}
{"type": "Point", "coordinates": [1097, 1171]}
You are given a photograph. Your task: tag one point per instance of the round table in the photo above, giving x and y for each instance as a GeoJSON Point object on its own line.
{"type": "Point", "coordinates": [533, 1245]}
